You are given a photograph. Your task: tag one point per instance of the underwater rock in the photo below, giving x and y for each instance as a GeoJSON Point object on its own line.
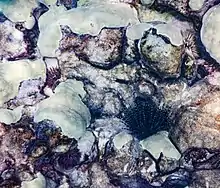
{"type": "Point", "coordinates": [28, 93]}
{"type": "Point", "coordinates": [14, 164]}
{"type": "Point", "coordinates": [105, 129]}
{"type": "Point", "coordinates": [160, 55]}
{"type": "Point", "coordinates": [123, 161]}
{"type": "Point", "coordinates": [99, 177]}
{"type": "Point", "coordinates": [158, 143]}
{"type": "Point", "coordinates": [72, 115]}
{"type": "Point", "coordinates": [204, 178]}
{"type": "Point", "coordinates": [197, 124]}
{"type": "Point", "coordinates": [103, 51]}
{"type": "Point", "coordinates": [93, 19]}
{"type": "Point", "coordinates": [13, 45]}
{"type": "Point", "coordinates": [68, 4]}
{"type": "Point", "coordinates": [174, 93]}
{"type": "Point", "coordinates": [209, 32]}
{"type": "Point", "coordinates": [107, 90]}
{"type": "Point", "coordinates": [195, 159]}
{"type": "Point", "coordinates": [13, 73]}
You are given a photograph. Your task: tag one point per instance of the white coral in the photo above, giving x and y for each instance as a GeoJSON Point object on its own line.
{"type": "Point", "coordinates": [66, 109]}
{"type": "Point", "coordinates": [81, 20]}
{"type": "Point", "coordinates": [13, 73]}
{"type": "Point", "coordinates": [10, 116]}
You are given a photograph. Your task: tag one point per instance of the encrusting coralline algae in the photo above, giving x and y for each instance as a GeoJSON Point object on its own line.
{"type": "Point", "coordinates": [109, 94]}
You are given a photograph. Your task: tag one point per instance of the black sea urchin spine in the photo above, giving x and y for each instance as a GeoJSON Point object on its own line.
{"type": "Point", "coordinates": [145, 118]}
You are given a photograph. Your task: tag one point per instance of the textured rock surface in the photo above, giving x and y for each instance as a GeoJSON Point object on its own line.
{"type": "Point", "coordinates": [15, 47]}
{"type": "Point", "coordinates": [198, 125]}
{"type": "Point", "coordinates": [206, 178]}
{"type": "Point", "coordinates": [108, 45]}
{"type": "Point", "coordinates": [160, 55]}
{"type": "Point", "coordinates": [107, 77]}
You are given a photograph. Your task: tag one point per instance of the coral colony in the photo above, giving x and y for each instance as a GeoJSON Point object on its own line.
{"type": "Point", "coordinates": [109, 94]}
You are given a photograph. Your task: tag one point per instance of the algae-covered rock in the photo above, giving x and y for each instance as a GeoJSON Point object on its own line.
{"type": "Point", "coordinates": [198, 124]}
{"type": "Point", "coordinates": [159, 54]}
{"type": "Point", "coordinates": [148, 15]}
{"type": "Point", "coordinates": [66, 109]}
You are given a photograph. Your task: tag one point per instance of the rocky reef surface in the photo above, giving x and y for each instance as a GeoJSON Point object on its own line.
{"type": "Point", "coordinates": [109, 94]}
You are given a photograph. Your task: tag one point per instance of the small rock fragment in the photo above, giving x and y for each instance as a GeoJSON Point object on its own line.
{"type": "Point", "coordinates": [160, 143]}
{"type": "Point", "coordinates": [160, 55]}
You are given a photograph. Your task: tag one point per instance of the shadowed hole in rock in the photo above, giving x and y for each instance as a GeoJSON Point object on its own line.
{"type": "Point", "coordinates": [144, 118]}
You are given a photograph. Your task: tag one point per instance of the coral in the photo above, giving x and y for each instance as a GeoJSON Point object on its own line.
{"type": "Point", "coordinates": [111, 93]}
{"type": "Point", "coordinates": [10, 116]}
{"type": "Point", "coordinates": [160, 140]}
{"type": "Point", "coordinates": [72, 115]}
{"type": "Point", "coordinates": [209, 30]}
{"type": "Point", "coordinates": [22, 70]}
{"type": "Point", "coordinates": [110, 15]}
{"type": "Point", "coordinates": [18, 11]}
{"type": "Point", "coordinates": [38, 182]}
